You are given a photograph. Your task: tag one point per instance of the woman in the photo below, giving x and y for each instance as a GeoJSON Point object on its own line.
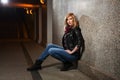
{"type": "Point", "coordinates": [68, 54]}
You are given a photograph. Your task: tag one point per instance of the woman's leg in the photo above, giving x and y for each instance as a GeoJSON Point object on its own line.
{"type": "Point", "coordinates": [45, 53]}
{"type": "Point", "coordinates": [61, 54]}
{"type": "Point", "coordinates": [43, 56]}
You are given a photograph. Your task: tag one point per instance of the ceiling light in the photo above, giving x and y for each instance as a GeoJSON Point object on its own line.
{"type": "Point", "coordinates": [4, 1]}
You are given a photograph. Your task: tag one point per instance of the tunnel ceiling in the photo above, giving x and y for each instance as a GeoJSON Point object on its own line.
{"type": "Point", "coordinates": [21, 3]}
{"type": "Point", "coordinates": [25, 1]}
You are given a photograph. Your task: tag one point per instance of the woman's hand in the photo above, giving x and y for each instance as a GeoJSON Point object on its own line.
{"type": "Point", "coordinates": [71, 52]}
{"type": "Point", "coordinates": [68, 51]}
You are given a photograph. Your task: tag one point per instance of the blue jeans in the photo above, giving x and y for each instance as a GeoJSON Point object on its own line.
{"type": "Point", "coordinates": [57, 52]}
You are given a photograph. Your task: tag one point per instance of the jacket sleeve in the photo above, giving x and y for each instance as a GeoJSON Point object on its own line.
{"type": "Point", "coordinates": [79, 37]}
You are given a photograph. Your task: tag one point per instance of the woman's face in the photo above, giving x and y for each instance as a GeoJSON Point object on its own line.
{"type": "Point", "coordinates": [70, 21]}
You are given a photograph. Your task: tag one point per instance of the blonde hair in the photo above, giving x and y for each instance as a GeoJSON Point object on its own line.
{"type": "Point", "coordinates": [76, 23]}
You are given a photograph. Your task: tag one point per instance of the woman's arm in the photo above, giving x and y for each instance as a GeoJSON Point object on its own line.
{"type": "Point", "coordinates": [79, 37]}
{"type": "Point", "coordinates": [74, 50]}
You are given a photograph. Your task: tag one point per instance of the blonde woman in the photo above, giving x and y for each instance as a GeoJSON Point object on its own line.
{"type": "Point", "coordinates": [69, 53]}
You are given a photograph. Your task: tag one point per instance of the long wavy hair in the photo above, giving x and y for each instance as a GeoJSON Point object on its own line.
{"type": "Point", "coordinates": [75, 20]}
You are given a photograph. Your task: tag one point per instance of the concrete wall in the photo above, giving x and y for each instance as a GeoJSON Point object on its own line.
{"type": "Point", "coordinates": [100, 24]}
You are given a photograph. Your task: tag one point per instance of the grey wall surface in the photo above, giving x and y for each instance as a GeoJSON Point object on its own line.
{"type": "Point", "coordinates": [100, 25]}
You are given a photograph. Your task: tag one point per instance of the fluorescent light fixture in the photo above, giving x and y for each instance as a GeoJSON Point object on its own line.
{"type": "Point", "coordinates": [4, 1]}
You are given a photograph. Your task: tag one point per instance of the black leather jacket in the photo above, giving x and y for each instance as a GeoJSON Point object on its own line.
{"type": "Point", "coordinates": [72, 38]}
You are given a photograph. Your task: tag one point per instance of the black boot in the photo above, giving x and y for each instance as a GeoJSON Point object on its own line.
{"type": "Point", "coordinates": [74, 65]}
{"type": "Point", "coordinates": [69, 66]}
{"type": "Point", "coordinates": [35, 66]}
{"type": "Point", "coordinates": [66, 66]}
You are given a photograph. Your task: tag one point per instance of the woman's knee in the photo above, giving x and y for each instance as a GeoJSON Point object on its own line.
{"type": "Point", "coordinates": [51, 51]}
{"type": "Point", "coordinates": [49, 45]}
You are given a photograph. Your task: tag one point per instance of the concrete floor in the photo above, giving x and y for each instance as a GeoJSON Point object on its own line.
{"type": "Point", "coordinates": [16, 56]}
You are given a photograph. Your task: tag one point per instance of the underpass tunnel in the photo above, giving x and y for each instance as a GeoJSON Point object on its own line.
{"type": "Point", "coordinates": [99, 22]}
{"type": "Point", "coordinates": [23, 21]}
{"type": "Point", "coordinates": [21, 24]}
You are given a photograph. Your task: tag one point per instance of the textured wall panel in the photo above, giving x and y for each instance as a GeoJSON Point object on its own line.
{"type": "Point", "coordinates": [100, 25]}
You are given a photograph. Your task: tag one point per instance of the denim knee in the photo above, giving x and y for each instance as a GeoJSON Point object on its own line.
{"type": "Point", "coordinates": [49, 45]}
{"type": "Point", "coordinates": [51, 51]}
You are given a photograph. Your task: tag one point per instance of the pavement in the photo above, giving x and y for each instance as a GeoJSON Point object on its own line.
{"type": "Point", "coordinates": [17, 55]}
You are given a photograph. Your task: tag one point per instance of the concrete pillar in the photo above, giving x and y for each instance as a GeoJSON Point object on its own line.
{"type": "Point", "coordinates": [49, 21]}
{"type": "Point", "coordinates": [35, 25]}
{"type": "Point", "coordinates": [40, 25]}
